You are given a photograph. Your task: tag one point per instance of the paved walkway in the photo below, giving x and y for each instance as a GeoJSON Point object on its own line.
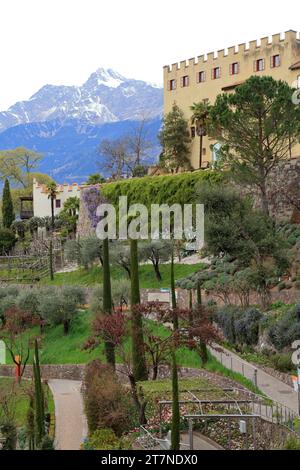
{"type": "Point", "coordinates": [70, 421]}
{"type": "Point", "coordinates": [200, 442]}
{"type": "Point", "coordinates": [269, 385]}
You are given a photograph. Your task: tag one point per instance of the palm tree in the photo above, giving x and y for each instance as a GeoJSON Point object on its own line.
{"type": "Point", "coordinates": [52, 193]}
{"type": "Point", "coordinates": [200, 118]}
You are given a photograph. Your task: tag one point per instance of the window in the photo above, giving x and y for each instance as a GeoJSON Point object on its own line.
{"type": "Point", "coordinates": [275, 61]}
{"type": "Point", "coordinates": [216, 73]}
{"type": "Point", "coordinates": [193, 132]}
{"type": "Point", "coordinates": [259, 65]}
{"type": "Point", "coordinates": [185, 81]}
{"type": "Point", "coordinates": [57, 203]}
{"type": "Point", "coordinates": [201, 77]}
{"type": "Point", "coordinates": [234, 68]}
{"type": "Point", "coordinates": [172, 85]}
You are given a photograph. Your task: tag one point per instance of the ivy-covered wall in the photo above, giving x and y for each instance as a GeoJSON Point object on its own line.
{"type": "Point", "coordinates": [168, 189]}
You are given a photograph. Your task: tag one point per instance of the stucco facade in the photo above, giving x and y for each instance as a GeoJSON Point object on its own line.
{"type": "Point", "coordinates": [42, 203]}
{"type": "Point", "coordinates": [206, 76]}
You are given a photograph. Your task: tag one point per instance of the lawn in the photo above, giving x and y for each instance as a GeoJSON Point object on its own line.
{"type": "Point", "coordinates": [59, 349]}
{"type": "Point", "coordinates": [20, 394]}
{"type": "Point", "coordinates": [93, 276]}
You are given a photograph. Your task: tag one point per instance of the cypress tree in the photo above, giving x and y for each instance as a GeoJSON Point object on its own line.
{"type": "Point", "coordinates": [8, 215]}
{"type": "Point", "coordinates": [175, 428]}
{"type": "Point", "coordinates": [39, 397]}
{"type": "Point", "coordinates": [107, 300]}
{"type": "Point", "coordinates": [203, 347]}
{"type": "Point", "coordinates": [138, 352]}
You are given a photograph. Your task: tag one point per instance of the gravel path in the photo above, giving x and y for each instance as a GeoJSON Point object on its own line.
{"type": "Point", "coordinates": [70, 421]}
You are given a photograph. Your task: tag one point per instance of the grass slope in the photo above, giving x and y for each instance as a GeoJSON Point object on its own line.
{"type": "Point", "coordinates": [93, 276]}
{"type": "Point", "coordinates": [20, 393]}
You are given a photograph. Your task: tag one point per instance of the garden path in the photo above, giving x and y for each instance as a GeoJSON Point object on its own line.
{"type": "Point", "coordinates": [70, 420]}
{"type": "Point", "coordinates": [269, 385]}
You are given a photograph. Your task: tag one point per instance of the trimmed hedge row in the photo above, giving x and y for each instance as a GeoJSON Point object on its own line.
{"type": "Point", "coordinates": [168, 189]}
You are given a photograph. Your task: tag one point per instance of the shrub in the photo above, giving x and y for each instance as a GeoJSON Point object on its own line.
{"type": "Point", "coordinates": [12, 291]}
{"type": "Point", "coordinates": [282, 362]}
{"type": "Point", "coordinates": [106, 439]}
{"type": "Point", "coordinates": [247, 327]}
{"type": "Point", "coordinates": [5, 304]}
{"type": "Point", "coordinates": [292, 443]}
{"type": "Point", "coordinates": [47, 443]}
{"type": "Point", "coordinates": [107, 401]}
{"type": "Point", "coordinates": [297, 285]}
{"type": "Point", "coordinates": [97, 300]}
{"type": "Point", "coordinates": [58, 309]}
{"type": "Point", "coordinates": [9, 433]}
{"type": "Point", "coordinates": [28, 300]}
{"type": "Point", "coordinates": [285, 330]}
{"type": "Point", "coordinates": [226, 318]}
{"type": "Point", "coordinates": [7, 240]}
{"type": "Point", "coordinates": [75, 293]}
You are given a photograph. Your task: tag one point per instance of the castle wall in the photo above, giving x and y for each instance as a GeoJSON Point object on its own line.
{"type": "Point", "coordinates": [287, 46]}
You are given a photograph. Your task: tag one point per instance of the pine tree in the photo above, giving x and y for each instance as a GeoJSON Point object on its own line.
{"type": "Point", "coordinates": [107, 300]}
{"type": "Point", "coordinates": [8, 215]}
{"type": "Point", "coordinates": [138, 352]}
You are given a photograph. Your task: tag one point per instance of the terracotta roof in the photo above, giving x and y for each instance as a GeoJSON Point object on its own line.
{"type": "Point", "coordinates": [295, 66]}
{"type": "Point", "coordinates": [232, 86]}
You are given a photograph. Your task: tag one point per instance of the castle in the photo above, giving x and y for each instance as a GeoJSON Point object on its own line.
{"type": "Point", "coordinates": [205, 77]}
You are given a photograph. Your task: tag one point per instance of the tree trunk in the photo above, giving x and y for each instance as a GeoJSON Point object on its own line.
{"type": "Point", "coordinates": [157, 271]}
{"type": "Point", "coordinates": [264, 199]}
{"type": "Point", "coordinates": [52, 213]}
{"type": "Point", "coordinates": [200, 152]}
{"type": "Point", "coordinates": [175, 431]}
{"type": "Point", "coordinates": [140, 405]}
{"type": "Point", "coordinates": [138, 351]}
{"type": "Point", "coordinates": [66, 327]}
{"type": "Point", "coordinates": [107, 301]}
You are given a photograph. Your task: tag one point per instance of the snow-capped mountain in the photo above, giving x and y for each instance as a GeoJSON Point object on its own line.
{"type": "Point", "coordinates": [105, 97]}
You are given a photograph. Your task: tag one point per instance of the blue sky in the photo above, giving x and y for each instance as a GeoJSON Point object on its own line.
{"type": "Point", "coordinates": [64, 41]}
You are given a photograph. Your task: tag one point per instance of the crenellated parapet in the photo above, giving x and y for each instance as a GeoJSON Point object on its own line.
{"type": "Point", "coordinates": [256, 47]}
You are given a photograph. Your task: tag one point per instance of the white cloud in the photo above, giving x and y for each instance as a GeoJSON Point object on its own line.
{"type": "Point", "coordinates": [64, 41]}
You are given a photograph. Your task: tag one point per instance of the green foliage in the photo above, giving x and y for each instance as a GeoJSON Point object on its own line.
{"type": "Point", "coordinates": [18, 163]}
{"type": "Point", "coordinates": [107, 299]}
{"type": "Point", "coordinates": [105, 439]}
{"type": "Point", "coordinates": [69, 214]}
{"type": "Point", "coordinates": [247, 327]}
{"type": "Point", "coordinates": [292, 443]}
{"type": "Point", "coordinates": [9, 433]}
{"type": "Point", "coordinates": [107, 401]}
{"type": "Point", "coordinates": [95, 178]}
{"type": "Point", "coordinates": [47, 443]}
{"type": "Point", "coordinates": [139, 171]}
{"type": "Point", "coordinates": [7, 241]}
{"type": "Point", "coordinates": [8, 215]}
{"type": "Point", "coordinates": [175, 140]}
{"type": "Point", "coordinates": [283, 362]}
{"type": "Point", "coordinates": [58, 308]}
{"type": "Point", "coordinates": [138, 353]}
{"type": "Point", "coordinates": [286, 330]}
{"type": "Point", "coordinates": [169, 189]}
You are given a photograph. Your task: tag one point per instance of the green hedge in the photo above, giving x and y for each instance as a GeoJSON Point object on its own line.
{"type": "Point", "coordinates": [168, 189]}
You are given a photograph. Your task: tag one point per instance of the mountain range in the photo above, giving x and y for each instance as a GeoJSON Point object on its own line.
{"type": "Point", "coordinates": [67, 123]}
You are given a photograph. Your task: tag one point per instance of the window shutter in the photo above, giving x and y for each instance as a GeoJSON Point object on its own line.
{"type": "Point", "coordinates": [181, 81]}
{"type": "Point", "coordinates": [220, 72]}
{"type": "Point", "coordinates": [175, 84]}
{"type": "Point", "coordinates": [198, 77]}
{"type": "Point", "coordinates": [272, 61]}
{"type": "Point", "coordinates": [230, 69]}
{"type": "Point", "coordinates": [204, 76]}
{"type": "Point", "coordinates": [255, 66]}
{"type": "Point", "coordinates": [213, 74]}
{"type": "Point", "coordinates": [169, 85]}
{"type": "Point", "coordinates": [238, 67]}
{"type": "Point", "coordinates": [188, 81]}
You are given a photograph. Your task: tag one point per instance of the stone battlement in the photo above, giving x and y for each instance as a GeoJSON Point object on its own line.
{"type": "Point", "coordinates": [280, 40]}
